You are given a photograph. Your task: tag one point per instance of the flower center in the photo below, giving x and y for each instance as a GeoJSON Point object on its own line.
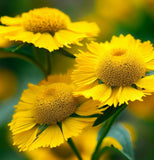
{"type": "Point", "coordinates": [54, 104]}
{"type": "Point", "coordinates": [45, 20]}
{"type": "Point", "coordinates": [120, 68]}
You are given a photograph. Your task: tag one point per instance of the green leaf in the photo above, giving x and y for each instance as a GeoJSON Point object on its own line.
{"type": "Point", "coordinates": [121, 134]}
{"type": "Point", "coordinates": [107, 114]}
{"type": "Point", "coordinates": [150, 73]}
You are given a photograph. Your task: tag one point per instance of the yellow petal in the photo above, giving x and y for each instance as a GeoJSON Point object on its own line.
{"type": "Point", "coordinates": [110, 141]}
{"type": "Point", "coordinates": [113, 100]}
{"type": "Point", "coordinates": [147, 83]}
{"type": "Point", "coordinates": [46, 41]}
{"type": "Point", "coordinates": [50, 137]}
{"type": "Point", "coordinates": [11, 21]}
{"type": "Point", "coordinates": [30, 93]}
{"type": "Point", "coordinates": [24, 139]}
{"type": "Point", "coordinates": [150, 65]}
{"type": "Point", "coordinates": [74, 126]}
{"type": "Point", "coordinates": [21, 125]}
{"type": "Point", "coordinates": [23, 36]}
{"type": "Point", "coordinates": [91, 29]}
{"type": "Point", "coordinates": [100, 92]}
{"type": "Point", "coordinates": [88, 108]}
{"type": "Point", "coordinates": [22, 106]}
{"type": "Point", "coordinates": [4, 30]}
{"type": "Point", "coordinates": [65, 37]}
{"type": "Point", "coordinates": [130, 94]}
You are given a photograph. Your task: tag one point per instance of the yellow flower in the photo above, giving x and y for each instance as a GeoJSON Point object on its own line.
{"type": "Point", "coordinates": [119, 10]}
{"type": "Point", "coordinates": [115, 72]}
{"type": "Point", "coordinates": [8, 83]}
{"type": "Point", "coordinates": [50, 104]}
{"type": "Point", "coordinates": [144, 109]}
{"type": "Point", "coordinates": [47, 28]}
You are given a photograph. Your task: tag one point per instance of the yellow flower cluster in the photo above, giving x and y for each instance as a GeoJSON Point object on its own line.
{"type": "Point", "coordinates": [105, 74]}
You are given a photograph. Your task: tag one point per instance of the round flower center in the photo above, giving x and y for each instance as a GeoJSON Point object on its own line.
{"type": "Point", "coordinates": [45, 20]}
{"type": "Point", "coordinates": [54, 104]}
{"type": "Point", "coordinates": [120, 68]}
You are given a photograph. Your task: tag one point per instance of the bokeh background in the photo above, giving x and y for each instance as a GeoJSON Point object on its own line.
{"type": "Point", "coordinates": [114, 17]}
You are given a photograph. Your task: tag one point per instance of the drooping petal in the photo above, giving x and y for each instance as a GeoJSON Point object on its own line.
{"type": "Point", "coordinates": [25, 139]}
{"type": "Point", "coordinates": [74, 126]}
{"type": "Point", "coordinates": [150, 65]}
{"type": "Point", "coordinates": [100, 92]}
{"type": "Point", "coordinates": [10, 21]}
{"type": "Point", "coordinates": [90, 29]}
{"type": "Point", "coordinates": [147, 83]}
{"type": "Point", "coordinates": [21, 125]}
{"type": "Point", "coordinates": [30, 93]}
{"type": "Point", "coordinates": [46, 41]}
{"type": "Point", "coordinates": [88, 108]}
{"type": "Point", "coordinates": [65, 37]}
{"type": "Point", "coordinates": [130, 94]}
{"type": "Point", "coordinates": [50, 137]}
{"type": "Point", "coordinates": [11, 30]}
{"type": "Point", "coordinates": [113, 99]}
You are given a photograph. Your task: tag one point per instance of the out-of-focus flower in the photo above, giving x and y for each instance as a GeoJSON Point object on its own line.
{"type": "Point", "coordinates": [4, 43]}
{"type": "Point", "coordinates": [119, 10]}
{"type": "Point", "coordinates": [8, 83]}
{"type": "Point", "coordinates": [115, 72]}
{"type": "Point", "coordinates": [144, 109]}
{"type": "Point", "coordinates": [47, 28]}
{"type": "Point", "coordinates": [43, 115]}
{"type": "Point", "coordinates": [149, 7]}
{"type": "Point", "coordinates": [132, 132]}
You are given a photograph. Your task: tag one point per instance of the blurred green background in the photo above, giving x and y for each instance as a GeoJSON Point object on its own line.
{"type": "Point", "coordinates": [113, 17]}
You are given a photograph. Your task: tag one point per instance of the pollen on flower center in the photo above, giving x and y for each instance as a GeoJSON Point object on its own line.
{"type": "Point", "coordinates": [120, 69]}
{"type": "Point", "coordinates": [45, 20]}
{"type": "Point", "coordinates": [54, 104]}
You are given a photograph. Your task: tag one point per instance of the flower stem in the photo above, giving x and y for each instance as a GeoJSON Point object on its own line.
{"type": "Point", "coordinates": [72, 145]}
{"type": "Point", "coordinates": [48, 62]}
{"type": "Point", "coordinates": [107, 126]}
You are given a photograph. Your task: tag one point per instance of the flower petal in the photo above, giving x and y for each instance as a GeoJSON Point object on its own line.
{"type": "Point", "coordinates": [123, 95]}
{"type": "Point", "coordinates": [11, 20]}
{"type": "Point", "coordinates": [46, 41]}
{"type": "Point", "coordinates": [100, 92]}
{"type": "Point", "coordinates": [21, 125]}
{"type": "Point", "coordinates": [147, 83]}
{"type": "Point", "coordinates": [74, 126]}
{"type": "Point", "coordinates": [88, 108]}
{"type": "Point", "coordinates": [150, 65]}
{"type": "Point", "coordinates": [130, 94]}
{"type": "Point", "coordinates": [91, 29]}
{"type": "Point", "coordinates": [24, 139]}
{"type": "Point", "coordinates": [50, 137]}
{"type": "Point", "coordinates": [65, 37]}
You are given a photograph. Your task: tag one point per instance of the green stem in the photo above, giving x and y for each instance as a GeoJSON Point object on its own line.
{"type": "Point", "coordinates": [72, 145]}
{"type": "Point", "coordinates": [23, 57]}
{"type": "Point", "coordinates": [107, 127]}
{"type": "Point", "coordinates": [36, 53]}
{"type": "Point", "coordinates": [101, 152]}
{"type": "Point", "coordinates": [48, 62]}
